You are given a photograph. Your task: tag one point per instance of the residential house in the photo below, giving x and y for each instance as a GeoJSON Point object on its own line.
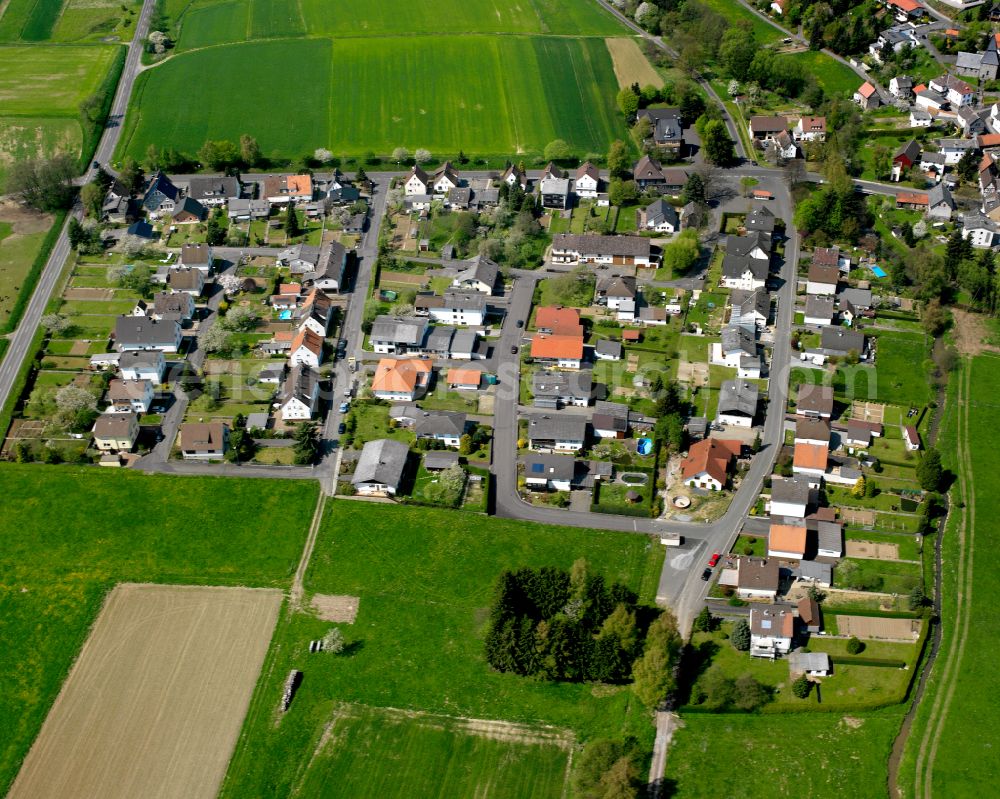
{"type": "Point", "coordinates": [481, 275]}
{"type": "Point", "coordinates": [143, 333]}
{"type": "Point", "coordinates": [933, 165]}
{"type": "Point", "coordinates": [380, 468]}
{"type": "Point", "coordinates": [905, 10]}
{"type": "Point", "coordinates": [214, 191]}
{"type": "Point", "coordinates": [912, 200]}
{"type": "Point", "coordinates": [459, 199]}
{"type": "Point", "coordinates": [444, 426]}
{"type": "Point", "coordinates": [300, 394]}
{"type": "Point", "coordinates": [859, 433]}
{"type": "Point", "coordinates": [398, 335]}
{"type": "Point", "coordinates": [904, 158]}
{"type": "Point", "coordinates": [815, 401]}
{"type": "Point", "coordinates": [189, 281]}
{"type": "Point", "coordinates": [657, 317]}
{"type": "Point", "coordinates": [568, 248]}
{"type": "Point", "coordinates": [546, 472]}
{"type": "Point", "coordinates": [659, 216]}
{"type": "Point", "coordinates": [301, 259]}
{"type": "Point", "coordinates": [554, 192]}
{"type": "Point", "coordinates": [558, 320]}
{"type": "Point", "coordinates": [399, 379]}
{"type": "Point", "coordinates": [454, 307]}
{"type": "Point", "coordinates": [929, 100]}
{"type": "Point", "coordinates": [911, 438]}
{"type": "Point", "coordinates": [613, 291]}
{"type": "Point", "coordinates": [867, 97]}
{"type": "Point", "coordinates": [118, 206]}
{"type": "Point", "coordinates": [417, 182]}
{"type": "Point", "coordinates": [969, 121]}
{"type": "Point", "coordinates": [116, 432]}
{"type": "Point", "coordinates": [139, 365]}
{"type": "Point", "coordinates": [765, 128]}
{"type": "Point", "coordinates": [810, 129]}
{"type": "Point", "coordinates": [737, 403]}
{"type": "Point", "coordinates": [129, 395]}
{"type": "Point", "coordinates": [329, 272]}
{"type": "Point", "coordinates": [790, 497]}
{"type": "Point", "coordinates": [956, 91]}
{"type": "Point", "coordinates": [445, 179]}
{"type": "Point", "coordinates": [674, 180]}
{"type": "Point", "coordinates": [754, 244]}
{"type": "Point", "coordinates": [565, 352]}
{"type": "Point", "coordinates": [822, 279]}
{"type": "Point", "coordinates": [786, 541]}
{"type": "Point", "coordinates": [809, 430]}
{"type": "Point", "coordinates": [736, 344]}
{"type": "Point", "coordinates": [514, 175]}
{"type": "Point", "coordinates": [565, 433]}
{"type": "Point", "coordinates": [940, 204]}
{"type": "Point", "coordinates": [708, 462]}
{"type": "Point", "coordinates": [744, 272]}
{"type": "Point", "coordinates": [189, 212]}
{"type": "Point", "coordinates": [841, 341]}
{"type": "Point", "coordinates": [919, 118]}
{"type": "Point", "coordinates": [666, 127]}
{"type": "Point", "coordinates": [161, 197]}
{"type": "Point", "coordinates": [772, 628]}
{"type": "Point", "coordinates": [439, 460]}
{"type": "Point", "coordinates": [783, 146]}
{"type": "Point", "coordinates": [306, 349]}
{"type": "Point", "coordinates": [197, 256]}
{"type": "Point", "coordinates": [608, 350]}
{"type": "Point", "coordinates": [588, 181]}
{"type": "Point", "coordinates": [811, 459]}
{"type": "Point", "coordinates": [954, 149]}
{"type": "Point", "coordinates": [895, 40]}
{"type": "Point", "coordinates": [464, 379]}
{"type": "Point", "coordinates": [204, 440]}
{"type": "Point", "coordinates": [283, 189]}
{"type": "Point", "coordinates": [829, 540]}
{"type": "Point", "coordinates": [757, 578]}
{"type": "Point", "coordinates": [812, 664]}
{"type": "Point", "coordinates": [979, 229]}
{"type": "Point", "coordinates": [609, 425]}
{"type": "Point", "coordinates": [760, 220]}
{"type": "Point", "coordinates": [749, 309]}
{"type": "Point", "coordinates": [901, 87]}
{"type": "Point", "coordinates": [176, 305]}
{"type": "Point", "coordinates": [819, 310]}
{"type": "Point", "coordinates": [648, 173]}
{"type": "Point", "coordinates": [552, 389]}
{"type": "Point", "coordinates": [244, 210]}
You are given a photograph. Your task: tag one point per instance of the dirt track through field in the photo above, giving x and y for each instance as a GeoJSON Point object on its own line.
{"type": "Point", "coordinates": [924, 782]}
{"type": "Point", "coordinates": [155, 702]}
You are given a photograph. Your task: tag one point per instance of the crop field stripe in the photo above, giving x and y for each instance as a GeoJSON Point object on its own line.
{"type": "Point", "coordinates": [154, 703]}
{"type": "Point", "coordinates": [44, 15]}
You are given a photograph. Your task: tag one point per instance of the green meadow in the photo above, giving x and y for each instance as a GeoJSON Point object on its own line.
{"type": "Point", "coordinates": [424, 580]}
{"type": "Point", "coordinates": [69, 534]}
{"type": "Point", "coordinates": [488, 95]}
{"type": "Point", "coordinates": [50, 80]}
{"type": "Point", "coordinates": [67, 20]}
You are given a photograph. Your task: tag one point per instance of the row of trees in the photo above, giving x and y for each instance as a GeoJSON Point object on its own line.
{"type": "Point", "coordinates": [572, 626]}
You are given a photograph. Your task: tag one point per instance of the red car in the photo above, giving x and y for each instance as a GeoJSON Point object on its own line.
{"type": "Point", "coordinates": [714, 559]}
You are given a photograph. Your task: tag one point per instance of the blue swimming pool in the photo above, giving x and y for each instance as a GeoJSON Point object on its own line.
{"type": "Point", "coordinates": [878, 271]}
{"type": "Point", "coordinates": [285, 315]}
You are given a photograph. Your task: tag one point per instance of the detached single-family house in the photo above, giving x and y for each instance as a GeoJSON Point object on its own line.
{"type": "Point", "coordinates": [956, 91]}
{"type": "Point", "coordinates": [659, 216]}
{"type": "Point", "coordinates": [142, 365]}
{"type": "Point", "coordinates": [393, 335]}
{"type": "Point", "coordinates": [481, 275]}
{"type": "Point", "coordinates": [757, 578]}
{"type": "Point", "coordinates": [301, 259]}
{"type": "Point", "coordinates": [765, 128]}
{"type": "Point", "coordinates": [911, 438]}
{"type": "Point", "coordinates": [129, 395]}
{"type": "Point", "coordinates": [614, 291]}
{"type": "Point", "coordinates": [186, 280]}
{"type": "Point", "coordinates": [790, 496]}
{"type": "Point", "coordinates": [445, 179]}
{"type": "Point", "coordinates": [444, 426]}
{"type": "Point", "coordinates": [736, 345]}
{"type": "Point", "coordinates": [819, 310]}
{"type": "Point", "coordinates": [980, 230]}
{"type": "Point", "coordinates": [329, 272]}
{"type": "Point", "coordinates": [810, 129]}
{"type": "Point", "coordinates": [559, 320]}
{"type": "Point", "coordinates": [822, 280]}
{"type": "Point", "coordinates": [737, 403]}
{"type": "Point", "coordinates": [554, 192]}
{"type": "Point", "coordinates": [901, 87]}
{"type": "Point", "coordinates": [940, 204]}
{"type": "Point", "coordinates": [564, 352]}
{"type": "Point", "coordinates": [552, 389]}
{"type": "Point", "coordinates": [454, 307]}
{"type": "Point", "coordinates": [300, 394]}
{"type": "Point", "coordinates": [841, 341]}
{"type": "Point", "coordinates": [570, 248]}
{"type": "Point", "coordinates": [607, 350]}
{"type": "Point", "coordinates": [214, 191]}
{"type": "Point", "coordinates": [760, 219]}
{"type": "Point", "coordinates": [648, 173]}
{"type": "Point", "coordinates": [189, 212]}
{"type": "Point", "coordinates": [919, 118]}
{"type": "Point", "coordinates": [380, 468]}
{"type": "Point", "coordinates": [283, 189]}
{"type": "Point", "coordinates": [513, 175]}
{"type": "Point", "coordinates": [543, 472]}
{"type": "Point", "coordinates": [400, 379]}
{"type": "Point", "coordinates": [161, 197]}
{"type": "Point", "coordinates": [175, 305]}
{"type": "Point", "coordinates": [787, 541]}
{"type": "Point", "coordinates": [749, 309]}
{"type": "Point", "coordinates": [565, 433]}
{"type": "Point", "coordinates": [812, 664]}
{"type": "Point", "coordinates": [143, 333]}
{"type": "Point", "coordinates": [417, 182]}
{"type": "Point", "coordinates": [744, 272]}
{"type": "Point", "coordinates": [464, 379]}
{"type": "Point", "coordinates": [772, 628]}
{"type": "Point", "coordinates": [588, 181]}
{"type": "Point", "coordinates": [204, 440]}
{"type": "Point", "coordinates": [116, 432]}
{"type": "Point", "coordinates": [811, 459]}
{"type": "Point", "coordinates": [666, 127]}
{"type": "Point", "coordinates": [867, 97]}
{"type": "Point", "coordinates": [307, 349]}
{"type": "Point", "coordinates": [814, 400]}
{"type": "Point", "coordinates": [708, 462]}
{"type": "Point", "coordinates": [118, 206]}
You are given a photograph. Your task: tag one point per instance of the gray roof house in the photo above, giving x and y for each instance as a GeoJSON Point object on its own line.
{"type": "Point", "coordinates": [552, 389]}
{"type": "Point", "coordinates": [660, 216]}
{"type": "Point", "coordinates": [841, 341]}
{"type": "Point", "coordinates": [301, 258]}
{"type": "Point", "coordinates": [543, 471]}
{"type": "Point", "coordinates": [480, 275]}
{"type": "Point", "coordinates": [214, 190]}
{"type": "Point", "coordinates": [819, 309]}
{"type": "Point", "coordinates": [565, 433]}
{"type": "Point", "coordinates": [395, 334]}
{"type": "Point", "coordinates": [446, 426]}
{"type": "Point", "coordinates": [738, 402]}
{"type": "Point", "coordinates": [737, 339]}
{"type": "Point", "coordinates": [143, 333]}
{"type": "Point", "coordinates": [438, 460]}
{"type": "Point", "coordinates": [940, 204]}
{"type": "Point", "coordinates": [607, 350]}
{"type": "Point", "coordinates": [380, 467]}
{"type": "Point", "coordinates": [761, 220]}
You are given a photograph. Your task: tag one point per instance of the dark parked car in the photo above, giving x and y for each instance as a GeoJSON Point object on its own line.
{"type": "Point", "coordinates": [342, 428]}
{"type": "Point", "coordinates": [707, 574]}
{"type": "Point", "coordinates": [513, 350]}
{"type": "Point", "coordinates": [520, 323]}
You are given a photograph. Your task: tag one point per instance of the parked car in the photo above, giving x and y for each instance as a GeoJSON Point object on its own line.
{"type": "Point", "coordinates": [513, 350]}
{"type": "Point", "coordinates": [520, 323]}
{"type": "Point", "coordinates": [712, 561]}
{"type": "Point", "coordinates": [342, 428]}
{"type": "Point", "coordinates": [343, 407]}
{"type": "Point", "coordinates": [707, 574]}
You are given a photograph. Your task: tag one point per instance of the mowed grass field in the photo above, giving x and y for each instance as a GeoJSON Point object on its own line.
{"type": "Point", "coordinates": [901, 373]}
{"type": "Point", "coordinates": [155, 702]}
{"type": "Point", "coordinates": [21, 237]}
{"type": "Point", "coordinates": [67, 20]}
{"type": "Point", "coordinates": [424, 580]}
{"type": "Point", "coordinates": [953, 739]}
{"type": "Point", "coordinates": [67, 535]}
{"type": "Point", "coordinates": [50, 80]}
{"type": "Point", "coordinates": [747, 755]}
{"type": "Point", "coordinates": [418, 754]}
{"type": "Point", "coordinates": [508, 94]}
{"type": "Point", "coordinates": [30, 137]}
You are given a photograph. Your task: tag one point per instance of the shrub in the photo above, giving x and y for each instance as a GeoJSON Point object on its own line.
{"type": "Point", "coordinates": [802, 686]}
{"type": "Point", "coordinates": [855, 646]}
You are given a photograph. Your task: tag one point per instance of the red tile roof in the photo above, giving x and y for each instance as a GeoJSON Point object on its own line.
{"type": "Point", "coordinates": [545, 345]}
{"type": "Point", "coordinates": [712, 455]}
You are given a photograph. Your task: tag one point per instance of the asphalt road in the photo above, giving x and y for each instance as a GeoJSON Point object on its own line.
{"type": "Point", "coordinates": [20, 341]}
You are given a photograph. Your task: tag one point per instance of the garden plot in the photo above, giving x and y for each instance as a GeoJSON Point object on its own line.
{"type": "Point", "coordinates": [880, 628]}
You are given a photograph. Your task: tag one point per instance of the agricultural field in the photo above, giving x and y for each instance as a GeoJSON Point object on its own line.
{"type": "Point", "coordinates": [67, 20]}
{"type": "Point", "coordinates": [423, 581]}
{"type": "Point", "coordinates": [22, 138]}
{"type": "Point", "coordinates": [746, 755]}
{"type": "Point", "coordinates": [631, 66]}
{"type": "Point", "coordinates": [955, 724]}
{"type": "Point", "coordinates": [489, 95]}
{"type": "Point", "coordinates": [22, 235]}
{"type": "Point", "coordinates": [114, 527]}
{"type": "Point", "coordinates": [154, 704]}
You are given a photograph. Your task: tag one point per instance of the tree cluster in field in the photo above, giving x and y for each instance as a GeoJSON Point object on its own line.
{"type": "Point", "coordinates": [571, 625]}
{"type": "Point", "coordinates": [610, 770]}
